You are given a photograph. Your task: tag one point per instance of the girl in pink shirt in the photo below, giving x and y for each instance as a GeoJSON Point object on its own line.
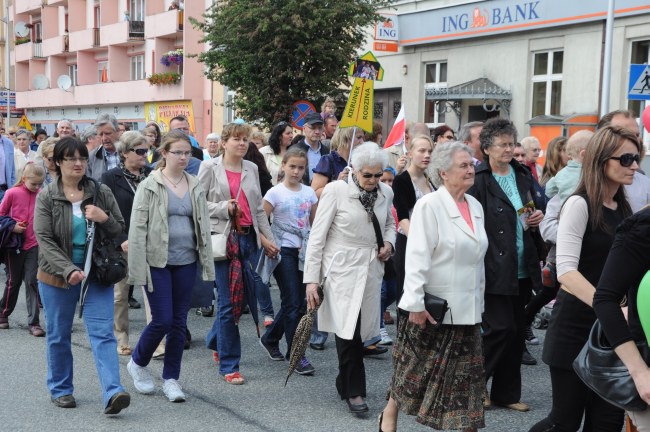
{"type": "Point", "coordinates": [22, 265]}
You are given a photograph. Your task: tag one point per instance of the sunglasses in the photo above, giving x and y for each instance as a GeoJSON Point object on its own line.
{"type": "Point", "coordinates": [140, 152]}
{"type": "Point", "coordinates": [626, 160]}
{"type": "Point", "coordinates": [368, 175]}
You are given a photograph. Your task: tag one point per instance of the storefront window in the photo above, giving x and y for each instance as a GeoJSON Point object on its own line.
{"type": "Point", "coordinates": [547, 82]}
{"type": "Point", "coordinates": [435, 77]}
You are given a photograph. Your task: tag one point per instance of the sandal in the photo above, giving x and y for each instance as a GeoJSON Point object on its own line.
{"type": "Point", "coordinates": [124, 350]}
{"type": "Point", "coordinates": [215, 357]}
{"type": "Point", "coordinates": [234, 378]}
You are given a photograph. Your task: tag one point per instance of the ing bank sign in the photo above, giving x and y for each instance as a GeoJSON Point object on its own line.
{"type": "Point", "coordinates": [491, 17]}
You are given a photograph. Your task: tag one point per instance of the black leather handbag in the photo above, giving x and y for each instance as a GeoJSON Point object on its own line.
{"type": "Point", "coordinates": [437, 308]}
{"type": "Point", "coordinates": [600, 368]}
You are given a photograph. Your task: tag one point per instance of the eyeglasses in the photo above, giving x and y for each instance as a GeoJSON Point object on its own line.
{"type": "Point", "coordinates": [626, 160]}
{"type": "Point", "coordinates": [369, 176]}
{"type": "Point", "coordinates": [12, 133]}
{"type": "Point", "coordinates": [140, 152]}
{"type": "Point", "coordinates": [180, 153]}
{"type": "Point", "coordinates": [537, 150]}
{"type": "Point", "coordinates": [76, 159]}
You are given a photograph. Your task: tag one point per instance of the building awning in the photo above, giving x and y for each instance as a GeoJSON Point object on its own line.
{"type": "Point", "coordinates": [481, 88]}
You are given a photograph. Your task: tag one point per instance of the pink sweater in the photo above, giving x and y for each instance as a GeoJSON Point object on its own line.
{"type": "Point", "coordinates": [19, 203]}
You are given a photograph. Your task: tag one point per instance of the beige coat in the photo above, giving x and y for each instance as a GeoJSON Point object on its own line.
{"type": "Point", "coordinates": [149, 229]}
{"type": "Point", "coordinates": [273, 163]}
{"type": "Point", "coordinates": [354, 283]}
{"type": "Point", "coordinates": [445, 257]}
{"type": "Point", "coordinates": [213, 178]}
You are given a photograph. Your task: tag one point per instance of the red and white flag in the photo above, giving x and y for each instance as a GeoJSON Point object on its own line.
{"type": "Point", "coordinates": [396, 134]}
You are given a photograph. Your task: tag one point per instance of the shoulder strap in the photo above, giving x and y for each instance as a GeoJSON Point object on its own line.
{"type": "Point", "coordinates": [375, 225]}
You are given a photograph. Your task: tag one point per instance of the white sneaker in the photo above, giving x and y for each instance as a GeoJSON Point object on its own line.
{"type": "Point", "coordinates": [385, 339]}
{"type": "Point", "coordinates": [142, 379]}
{"type": "Point", "coordinates": [173, 390]}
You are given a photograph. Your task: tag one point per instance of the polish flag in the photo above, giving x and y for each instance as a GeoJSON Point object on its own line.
{"type": "Point", "coordinates": [396, 134]}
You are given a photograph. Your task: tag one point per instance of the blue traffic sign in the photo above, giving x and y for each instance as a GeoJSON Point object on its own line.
{"type": "Point", "coordinates": [300, 110]}
{"type": "Point", "coordinates": [639, 85]}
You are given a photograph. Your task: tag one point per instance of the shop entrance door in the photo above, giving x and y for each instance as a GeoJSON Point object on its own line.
{"type": "Point", "coordinates": [387, 106]}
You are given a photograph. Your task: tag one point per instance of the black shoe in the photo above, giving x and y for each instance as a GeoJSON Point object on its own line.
{"type": "Point", "coordinates": [304, 367]}
{"type": "Point", "coordinates": [133, 304]}
{"type": "Point", "coordinates": [66, 401]}
{"type": "Point", "coordinates": [372, 350]}
{"type": "Point", "coordinates": [207, 311]}
{"type": "Point", "coordinates": [118, 402]}
{"type": "Point", "coordinates": [272, 351]}
{"type": "Point", "coordinates": [188, 339]}
{"type": "Point", "coordinates": [531, 339]}
{"type": "Point", "coordinates": [317, 346]}
{"type": "Point", "coordinates": [528, 359]}
{"type": "Point", "coordinates": [357, 408]}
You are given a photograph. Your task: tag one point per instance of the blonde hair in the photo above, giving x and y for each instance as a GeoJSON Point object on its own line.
{"type": "Point", "coordinates": [426, 138]}
{"type": "Point", "coordinates": [31, 170]}
{"type": "Point", "coordinates": [341, 139]}
{"type": "Point", "coordinates": [258, 135]}
{"type": "Point", "coordinates": [235, 129]}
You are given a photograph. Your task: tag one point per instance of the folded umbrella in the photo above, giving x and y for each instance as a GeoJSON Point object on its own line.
{"type": "Point", "coordinates": [303, 330]}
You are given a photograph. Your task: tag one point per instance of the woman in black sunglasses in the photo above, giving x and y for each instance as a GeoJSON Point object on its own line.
{"type": "Point", "coordinates": [123, 180]}
{"type": "Point", "coordinates": [585, 235]}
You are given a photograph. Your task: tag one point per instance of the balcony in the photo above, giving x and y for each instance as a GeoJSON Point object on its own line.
{"type": "Point", "coordinates": [37, 51]}
{"type": "Point", "coordinates": [122, 33]}
{"type": "Point", "coordinates": [28, 6]}
{"type": "Point", "coordinates": [23, 52]}
{"type": "Point", "coordinates": [57, 45]}
{"type": "Point", "coordinates": [164, 24]}
{"type": "Point", "coordinates": [84, 40]}
{"type": "Point", "coordinates": [102, 93]}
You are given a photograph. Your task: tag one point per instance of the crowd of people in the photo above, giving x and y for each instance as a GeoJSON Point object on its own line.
{"type": "Point", "coordinates": [471, 218]}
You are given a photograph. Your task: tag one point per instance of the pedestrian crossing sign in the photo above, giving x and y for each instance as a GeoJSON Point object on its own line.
{"type": "Point", "coordinates": [639, 86]}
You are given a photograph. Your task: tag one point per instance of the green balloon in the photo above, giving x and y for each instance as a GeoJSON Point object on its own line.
{"type": "Point", "coordinates": [643, 304]}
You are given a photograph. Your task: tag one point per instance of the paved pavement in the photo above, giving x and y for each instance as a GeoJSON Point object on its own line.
{"type": "Point", "coordinates": [262, 404]}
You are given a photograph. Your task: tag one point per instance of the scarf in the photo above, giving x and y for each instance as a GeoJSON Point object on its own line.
{"type": "Point", "coordinates": [135, 179]}
{"type": "Point", "coordinates": [367, 198]}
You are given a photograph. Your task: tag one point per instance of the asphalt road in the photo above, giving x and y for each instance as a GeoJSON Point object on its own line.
{"type": "Point", "coordinates": [262, 404]}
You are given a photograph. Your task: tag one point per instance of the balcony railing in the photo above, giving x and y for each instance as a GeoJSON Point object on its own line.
{"type": "Point", "coordinates": [96, 41]}
{"type": "Point", "coordinates": [136, 30]}
{"type": "Point", "coordinates": [37, 50]}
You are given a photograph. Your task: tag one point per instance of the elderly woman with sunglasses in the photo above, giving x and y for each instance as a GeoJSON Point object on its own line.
{"type": "Point", "coordinates": [353, 235]}
{"type": "Point", "coordinates": [123, 180]}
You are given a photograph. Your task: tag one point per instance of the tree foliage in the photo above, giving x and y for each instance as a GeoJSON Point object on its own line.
{"type": "Point", "coordinates": [275, 52]}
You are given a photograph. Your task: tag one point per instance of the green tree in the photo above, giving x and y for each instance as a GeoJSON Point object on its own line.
{"type": "Point", "coordinates": [275, 52]}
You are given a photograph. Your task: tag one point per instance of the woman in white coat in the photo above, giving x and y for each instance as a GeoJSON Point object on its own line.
{"type": "Point", "coordinates": [344, 223]}
{"type": "Point", "coordinates": [439, 371]}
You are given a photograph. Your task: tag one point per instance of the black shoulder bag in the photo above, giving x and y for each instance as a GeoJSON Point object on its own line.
{"type": "Point", "coordinates": [109, 265]}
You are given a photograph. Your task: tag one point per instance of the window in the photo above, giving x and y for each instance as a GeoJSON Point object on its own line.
{"type": "Point", "coordinates": [102, 71]}
{"type": "Point", "coordinates": [435, 76]}
{"type": "Point", "coordinates": [72, 73]}
{"type": "Point", "coordinates": [136, 10]}
{"type": "Point", "coordinates": [137, 67]}
{"type": "Point", "coordinates": [547, 82]}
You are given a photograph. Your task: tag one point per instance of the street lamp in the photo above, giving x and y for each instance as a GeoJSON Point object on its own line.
{"type": "Point", "coordinates": [7, 65]}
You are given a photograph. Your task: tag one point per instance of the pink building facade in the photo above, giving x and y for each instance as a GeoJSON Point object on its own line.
{"type": "Point", "coordinates": [86, 57]}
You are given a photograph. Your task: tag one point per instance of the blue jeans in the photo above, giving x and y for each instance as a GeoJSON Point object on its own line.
{"type": "Point", "coordinates": [169, 302]}
{"type": "Point", "coordinates": [59, 305]}
{"type": "Point", "coordinates": [262, 290]}
{"type": "Point", "coordinates": [224, 335]}
{"type": "Point", "coordinates": [388, 296]}
{"type": "Point", "coordinates": [317, 336]}
{"type": "Point", "coordinates": [292, 295]}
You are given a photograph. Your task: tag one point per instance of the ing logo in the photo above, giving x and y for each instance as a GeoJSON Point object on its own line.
{"type": "Point", "coordinates": [479, 19]}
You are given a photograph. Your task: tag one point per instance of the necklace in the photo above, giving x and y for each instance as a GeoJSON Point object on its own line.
{"type": "Point", "coordinates": [174, 183]}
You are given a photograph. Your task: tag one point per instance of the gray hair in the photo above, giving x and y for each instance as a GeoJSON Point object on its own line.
{"type": "Point", "coordinates": [65, 121]}
{"type": "Point", "coordinates": [528, 142]}
{"type": "Point", "coordinates": [213, 136]}
{"type": "Point", "coordinates": [86, 134]}
{"type": "Point", "coordinates": [104, 119]}
{"type": "Point", "coordinates": [368, 154]}
{"type": "Point", "coordinates": [465, 133]}
{"type": "Point", "coordinates": [442, 158]}
{"type": "Point", "coordinates": [128, 141]}
{"type": "Point", "coordinates": [22, 132]}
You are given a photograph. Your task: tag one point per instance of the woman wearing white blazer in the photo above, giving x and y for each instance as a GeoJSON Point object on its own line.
{"type": "Point", "coordinates": [442, 381]}
{"type": "Point", "coordinates": [343, 225]}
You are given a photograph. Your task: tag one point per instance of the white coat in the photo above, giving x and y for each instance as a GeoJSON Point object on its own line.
{"type": "Point", "coordinates": [445, 257]}
{"type": "Point", "coordinates": [354, 283]}
{"type": "Point", "coordinates": [273, 163]}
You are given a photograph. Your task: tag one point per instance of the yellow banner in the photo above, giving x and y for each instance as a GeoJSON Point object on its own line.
{"type": "Point", "coordinates": [163, 112]}
{"type": "Point", "coordinates": [359, 109]}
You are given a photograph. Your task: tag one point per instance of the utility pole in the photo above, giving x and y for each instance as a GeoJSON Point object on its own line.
{"type": "Point", "coordinates": [607, 60]}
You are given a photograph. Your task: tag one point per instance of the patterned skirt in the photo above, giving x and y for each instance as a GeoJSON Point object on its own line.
{"type": "Point", "coordinates": [443, 384]}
